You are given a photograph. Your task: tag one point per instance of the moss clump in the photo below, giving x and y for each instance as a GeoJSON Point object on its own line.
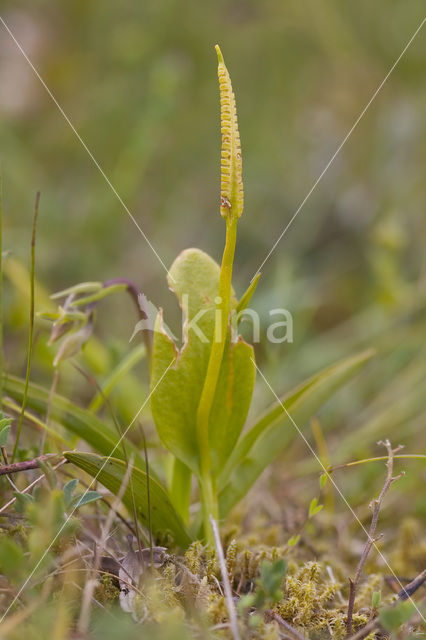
{"type": "Point", "coordinates": [308, 592]}
{"type": "Point", "coordinates": [409, 555]}
{"type": "Point", "coordinates": [107, 591]}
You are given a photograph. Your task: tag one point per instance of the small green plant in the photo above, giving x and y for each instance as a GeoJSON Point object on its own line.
{"type": "Point", "coordinates": [5, 424]}
{"type": "Point", "coordinates": [200, 393]}
{"type": "Point", "coordinates": [393, 617]}
{"type": "Point", "coordinates": [267, 590]}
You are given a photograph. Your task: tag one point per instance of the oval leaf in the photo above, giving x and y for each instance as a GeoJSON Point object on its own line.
{"type": "Point", "coordinates": [194, 278]}
{"type": "Point", "coordinates": [110, 472]}
{"type": "Point", "coordinates": [274, 430]}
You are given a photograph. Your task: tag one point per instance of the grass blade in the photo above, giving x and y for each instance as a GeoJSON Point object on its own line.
{"type": "Point", "coordinates": [78, 421]}
{"type": "Point", "coordinates": [126, 365]}
{"type": "Point", "coordinates": [31, 330]}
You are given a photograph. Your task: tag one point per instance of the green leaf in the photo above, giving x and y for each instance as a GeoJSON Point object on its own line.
{"type": "Point", "coordinates": [84, 498]}
{"type": "Point", "coordinates": [267, 586]}
{"type": "Point", "coordinates": [314, 507]}
{"type": "Point", "coordinates": [68, 490]}
{"type": "Point", "coordinates": [274, 430]}
{"type": "Point", "coordinates": [49, 473]}
{"type": "Point", "coordinates": [271, 577]}
{"type": "Point", "coordinates": [31, 418]}
{"type": "Point", "coordinates": [247, 296]}
{"type": "Point", "coordinates": [78, 289]}
{"type": "Point", "coordinates": [78, 421]}
{"type": "Point", "coordinates": [4, 433]}
{"type": "Point", "coordinates": [4, 422]}
{"type": "Point", "coordinates": [22, 500]}
{"type": "Point", "coordinates": [394, 617]}
{"type": "Point", "coordinates": [110, 472]}
{"type": "Point", "coordinates": [194, 278]}
{"type": "Point", "coordinates": [99, 295]}
{"type": "Point", "coordinates": [12, 559]}
{"type": "Point", "coordinates": [293, 540]}
{"type": "Point", "coordinates": [376, 599]}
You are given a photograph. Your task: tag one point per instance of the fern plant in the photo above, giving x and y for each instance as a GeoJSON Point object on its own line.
{"type": "Point", "coordinates": [201, 393]}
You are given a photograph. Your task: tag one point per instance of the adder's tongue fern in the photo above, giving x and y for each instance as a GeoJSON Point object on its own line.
{"type": "Point", "coordinates": [231, 208]}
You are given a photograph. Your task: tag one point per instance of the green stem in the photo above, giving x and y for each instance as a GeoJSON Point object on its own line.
{"type": "Point", "coordinates": [207, 485]}
{"type": "Point", "coordinates": [31, 331]}
{"type": "Point", "coordinates": [1, 294]}
{"type": "Point", "coordinates": [210, 505]}
{"type": "Point", "coordinates": [180, 490]}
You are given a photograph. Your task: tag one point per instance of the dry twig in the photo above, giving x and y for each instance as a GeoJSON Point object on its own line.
{"type": "Point", "coordinates": [226, 584]}
{"type": "Point", "coordinates": [404, 594]}
{"type": "Point", "coordinates": [408, 591]}
{"type": "Point", "coordinates": [26, 465]}
{"type": "Point", "coordinates": [89, 588]}
{"type": "Point", "coordinates": [293, 632]}
{"type": "Point", "coordinates": [375, 505]}
{"type": "Point", "coordinates": [30, 486]}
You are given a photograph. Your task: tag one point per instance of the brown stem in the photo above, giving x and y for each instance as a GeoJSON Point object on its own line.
{"type": "Point", "coordinates": [6, 462]}
{"type": "Point", "coordinates": [287, 626]}
{"type": "Point", "coordinates": [408, 591]}
{"type": "Point", "coordinates": [28, 488]}
{"type": "Point", "coordinates": [26, 465]}
{"type": "Point", "coordinates": [142, 312]}
{"type": "Point", "coordinates": [404, 594]}
{"type": "Point", "coordinates": [372, 539]}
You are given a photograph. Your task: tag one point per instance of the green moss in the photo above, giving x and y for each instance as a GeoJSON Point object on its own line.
{"type": "Point", "coordinates": [107, 591]}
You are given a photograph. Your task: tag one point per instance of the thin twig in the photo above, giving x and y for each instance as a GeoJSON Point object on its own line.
{"type": "Point", "coordinates": [148, 492]}
{"type": "Point", "coordinates": [101, 572]}
{"type": "Point", "coordinates": [6, 462]}
{"type": "Point", "coordinates": [25, 465]}
{"type": "Point", "coordinates": [404, 594]}
{"type": "Point", "coordinates": [48, 409]}
{"type": "Point", "coordinates": [30, 486]}
{"type": "Point", "coordinates": [226, 584]}
{"type": "Point", "coordinates": [18, 618]}
{"type": "Point", "coordinates": [107, 503]}
{"type": "Point", "coordinates": [2, 360]}
{"type": "Point", "coordinates": [408, 591]}
{"type": "Point", "coordinates": [34, 421]}
{"type": "Point", "coordinates": [366, 630]}
{"type": "Point", "coordinates": [375, 505]}
{"type": "Point", "coordinates": [142, 311]}
{"type": "Point", "coordinates": [108, 554]}
{"type": "Point", "coordinates": [287, 626]}
{"type": "Point", "coordinates": [31, 331]}
{"type": "Point", "coordinates": [89, 587]}
{"type": "Point", "coordinates": [354, 463]}
{"type": "Point", "coordinates": [92, 380]}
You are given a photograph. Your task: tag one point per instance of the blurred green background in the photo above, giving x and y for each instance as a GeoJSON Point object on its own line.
{"type": "Point", "coordinates": [138, 81]}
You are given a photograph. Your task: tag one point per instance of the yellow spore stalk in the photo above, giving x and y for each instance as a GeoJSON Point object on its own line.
{"type": "Point", "coordinates": [231, 188]}
{"type": "Point", "coordinates": [231, 208]}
